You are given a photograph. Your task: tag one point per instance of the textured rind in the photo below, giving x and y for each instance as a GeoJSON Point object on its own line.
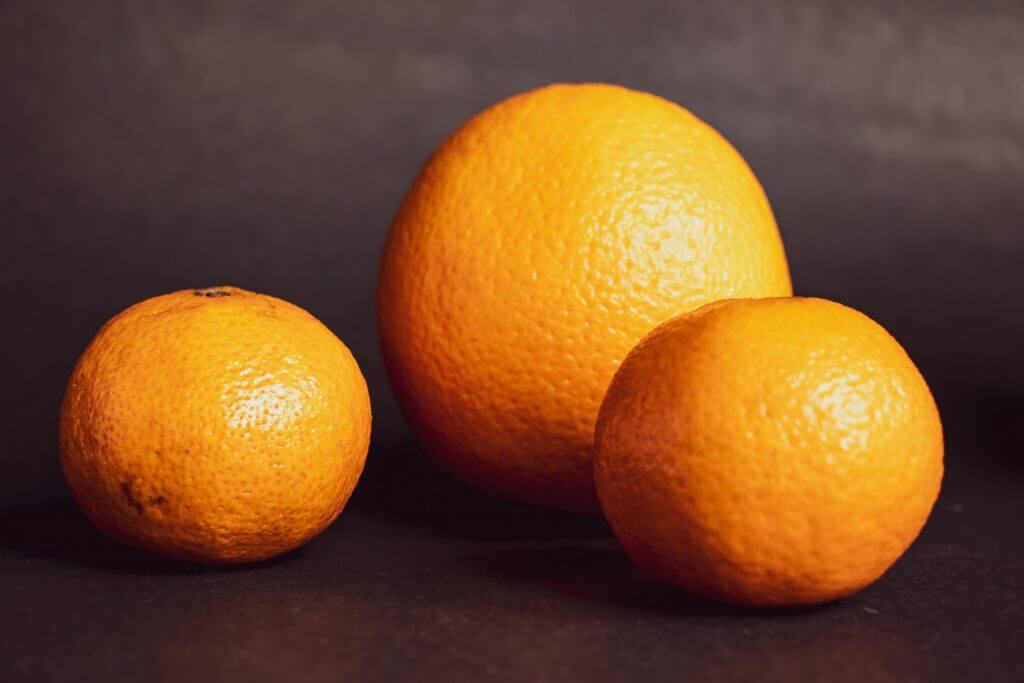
{"type": "Point", "coordinates": [540, 242]}
{"type": "Point", "coordinates": [223, 427]}
{"type": "Point", "coordinates": [771, 452]}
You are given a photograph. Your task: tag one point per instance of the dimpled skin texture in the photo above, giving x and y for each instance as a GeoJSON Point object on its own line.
{"type": "Point", "coordinates": [769, 452]}
{"type": "Point", "coordinates": [214, 425]}
{"type": "Point", "coordinates": [540, 242]}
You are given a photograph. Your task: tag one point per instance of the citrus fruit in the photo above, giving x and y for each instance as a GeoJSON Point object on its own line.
{"type": "Point", "coordinates": [768, 452]}
{"type": "Point", "coordinates": [214, 425]}
{"type": "Point", "coordinates": [539, 243]}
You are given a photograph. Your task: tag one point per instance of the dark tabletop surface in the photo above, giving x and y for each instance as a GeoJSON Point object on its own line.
{"type": "Point", "coordinates": [427, 581]}
{"type": "Point", "coordinates": [152, 146]}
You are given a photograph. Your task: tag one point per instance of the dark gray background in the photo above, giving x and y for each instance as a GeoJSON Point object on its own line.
{"type": "Point", "coordinates": [151, 146]}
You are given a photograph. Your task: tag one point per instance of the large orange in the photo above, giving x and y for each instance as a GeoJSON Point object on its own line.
{"type": "Point", "coordinates": [777, 451]}
{"type": "Point", "coordinates": [540, 242]}
{"type": "Point", "coordinates": [214, 425]}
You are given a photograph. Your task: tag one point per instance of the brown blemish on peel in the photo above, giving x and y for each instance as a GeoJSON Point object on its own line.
{"type": "Point", "coordinates": [126, 489]}
{"type": "Point", "coordinates": [212, 293]}
{"type": "Point", "coordinates": [140, 505]}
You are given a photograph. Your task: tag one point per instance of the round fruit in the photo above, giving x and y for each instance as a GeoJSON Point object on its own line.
{"type": "Point", "coordinates": [768, 452]}
{"type": "Point", "coordinates": [540, 242]}
{"type": "Point", "coordinates": [214, 425]}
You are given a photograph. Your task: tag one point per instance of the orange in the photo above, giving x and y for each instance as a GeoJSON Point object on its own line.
{"type": "Point", "coordinates": [539, 243]}
{"type": "Point", "coordinates": [214, 425]}
{"type": "Point", "coordinates": [768, 452]}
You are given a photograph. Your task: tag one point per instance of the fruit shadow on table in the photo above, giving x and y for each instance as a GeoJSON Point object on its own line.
{"type": "Point", "coordinates": [565, 554]}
